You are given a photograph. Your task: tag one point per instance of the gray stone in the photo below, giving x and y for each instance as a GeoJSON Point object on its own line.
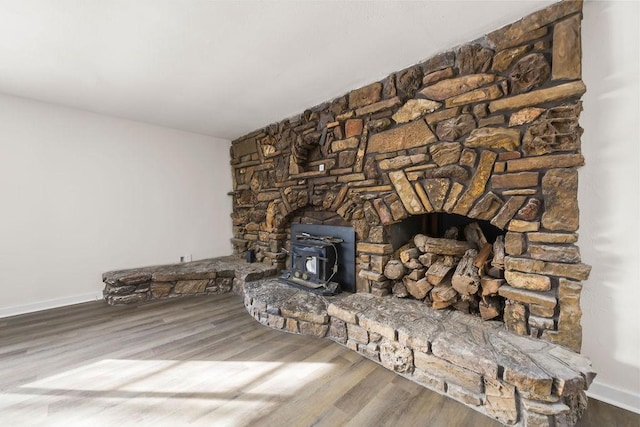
{"type": "Point", "coordinates": [305, 306]}
{"type": "Point", "coordinates": [396, 357]}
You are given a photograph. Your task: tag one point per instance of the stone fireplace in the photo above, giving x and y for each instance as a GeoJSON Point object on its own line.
{"type": "Point", "coordinates": [487, 131]}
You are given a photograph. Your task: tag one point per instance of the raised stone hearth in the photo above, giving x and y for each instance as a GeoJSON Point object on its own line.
{"type": "Point", "coordinates": [516, 380]}
{"type": "Point", "coordinates": [203, 277]}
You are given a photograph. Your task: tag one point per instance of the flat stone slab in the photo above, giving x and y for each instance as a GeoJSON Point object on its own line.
{"type": "Point", "coordinates": [229, 266]}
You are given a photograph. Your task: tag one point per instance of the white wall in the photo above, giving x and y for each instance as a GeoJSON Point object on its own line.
{"type": "Point", "coordinates": [82, 193]}
{"type": "Point", "coordinates": [608, 195]}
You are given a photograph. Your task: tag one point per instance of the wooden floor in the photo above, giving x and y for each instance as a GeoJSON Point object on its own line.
{"type": "Point", "coordinates": [205, 361]}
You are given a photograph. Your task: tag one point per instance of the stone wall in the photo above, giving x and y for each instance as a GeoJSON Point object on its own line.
{"type": "Point", "coordinates": [488, 130]}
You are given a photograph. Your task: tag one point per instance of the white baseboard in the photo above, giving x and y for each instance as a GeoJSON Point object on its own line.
{"type": "Point", "coordinates": [52, 303]}
{"type": "Point", "coordinates": [614, 396]}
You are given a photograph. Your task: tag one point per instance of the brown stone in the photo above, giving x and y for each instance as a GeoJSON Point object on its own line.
{"type": "Point", "coordinates": [468, 158]}
{"type": "Point", "coordinates": [483, 94]}
{"type": "Point", "coordinates": [352, 127]}
{"type": "Point", "coordinates": [451, 87]}
{"type": "Point", "coordinates": [500, 401]}
{"type": "Point", "coordinates": [545, 162]}
{"type": "Point", "coordinates": [523, 226]}
{"type": "Point", "coordinates": [383, 211]}
{"type": "Point", "coordinates": [526, 115]}
{"type": "Point", "coordinates": [160, 290]}
{"type": "Point", "coordinates": [533, 282]}
{"type": "Point", "coordinates": [486, 207]}
{"type": "Point", "coordinates": [514, 243]}
{"type": "Point", "coordinates": [556, 130]}
{"type": "Point", "coordinates": [515, 318]}
{"type": "Point", "coordinates": [545, 299]}
{"type": "Point", "coordinates": [519, 32]}
{"type": "Point", "coordinates": [396, 207]}
{"type": "Point", "coordinates": [449, 171]}
{"type": "Point", "coordinates": [436, 190]}
{"type": "Point", "coordinates": [567, 50]}
{"type": "Point", "coordinates": [448, 371]}
{"type": "Point", "coordinates": [473, 58]}
{"type": "Point", "coordinates": [455, 127]}
{"type": "Point", "coordinates": [407, 195]}
{"type": "Point", "coordinates": [389, 87]}
{"type": "Point", "coordinates": [552, 237]}
{"type": "Point", "coordinates": [378, 106]}
{"type": "Point", "coordinates": [445, 153]}
{"type": "Point", "coordinates": [345, 160]}
{"type": "Point", "coordinates": [515, 180]}
{"type": "Point", "coordinates": [374, 248]}
{"type": "Point", "coordinates": [439, 62]}
{"type": "Point", "coordinates": [414, 134]}
{"type": "Point", "coordinates": [409, 80]}
{"type": "Point", "coordinates": [560, 192]}
{"type": "Point", "coordinates": [568, 254]}
{"type": "Point", "coordinates": [503, 59]}
{"type": "Point", "coordinates": [344, 144]}
{"type": "Point", "coordinates": [477, 184]}
{"type": "Point", "coordinates": [436, 76]}
{"type": "Point", "coordinates": [529, 72]}
{"type": "Point", "coordinates": [539, 96]}
{"type": "Point", "coordinates": [244, 148]}
{"type": "Point", "coordinates": [422, 195]}
{"type": "Point", "coordinates": [572, 271]}
{"type": "Point", "coordinates": [530, 210]}
{"type": "Point", "coordinates": [365, 95]}
{"type": "Point", "coordinates": [452, 198]}
{"type": "Point", "coordinates": [379, 125]}
{"type": "Point", "coordinates": [569, 328]}
{"type": "Point", "coordinates": [415, 108]}
{"type": "Point", "coordinates": [491, 121]}
{"type": "Point", "coordinates": [190, 286]}
{"type": "Point", "coordinates": [508, 139]}
{"type": "Point", "coordinates": [441, 115]}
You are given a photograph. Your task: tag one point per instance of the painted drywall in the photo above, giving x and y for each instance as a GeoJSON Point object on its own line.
{"type": "Point", "coordinates": [608, 196]}
{"type": "Point", "coordinates": [82, 193]}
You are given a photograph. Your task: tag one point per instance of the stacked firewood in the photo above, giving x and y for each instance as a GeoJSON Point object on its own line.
{"type": "Point", "coordinates": [463, 272]}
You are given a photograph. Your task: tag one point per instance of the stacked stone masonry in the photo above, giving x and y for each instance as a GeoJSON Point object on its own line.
{"type": "Point", "coordinates": [515, 380]}
{"type": "Point", "coordinates": [203, 277]}
{"type": "Point", "coordinates": [488, 130]}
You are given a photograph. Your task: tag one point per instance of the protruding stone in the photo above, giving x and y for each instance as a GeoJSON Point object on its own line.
{"type": "Point", "coordinates": [407, 195]}
{"type": "Point", "coordinates": [378, 106]}
{"type": "Point", "coordinates": [503, 59]}
{"type": "Point", "coordinates": [567, 50]}
{"type": "Point", "coordinates": [410, 135]}
{"type": "Point", "coordinates": [530, 210]}
{"type": "Point", "coordinates": [415, 108]}
{"type": "Point", "coordinates": [515, 180]}
{"type": "Point", "coordinates": [528, 297]}
{"type": "Point", "coordinates": [468, 158]}
{"type": "Point", "coordinates": [473, 58]}
{"type": "Point", "coordinates": [449, 171]}
{"type": "Point", "coordinates": [529, 72]}
{"type": "Point", "coordinates": [526, 115]}
{"type": "Point", "coordinates": [439, 62]}
{"type": "Point", "coordinates": [396, 357]}
{"type": "Point", "coordinates": [523, 226]}
{"type": "Point", "coordinates": [353, 127]}
{"type": "Point", "coordinates": [568, 254]}
{"type": "Point", "coordinates": [514, 243]}
{"type": "Point", "coordinates": [408, 81]}
{"type": "Point", "coordinates": [483, 94]}
{"type": "Point", "coordinates": [515, 318]}
{"type": "Point", "coordinates": [455, 127]}
{"type": "Point", "coordinates": [552, 237]}
{"type": "Point", "coordinates": [508, 139]}
{"type": "Point", "coordinates": [190, 286]}
{"type": "Point", "coordinates": [545, 162]}
{"type": "Point", "coordinates": [539, 96]}
{"type": "Point", "coordinates": [451, 87]}
{"type": "Point", "coordinates": [477, 184]}
{"type": "Point", "coordinates": [365, 95]}
{"type": "Point", "coordinates": [560, 191]}
{"type": "Point", "coordinates": [533, 282]}
{"type": "Point", "coordinates": [572, 271]}
{"type": "Point", "coordinates": [436, 189]}
{"type": "Point", "coordinates": [486, 207]}
{"type": "Point", "coordinates": [445, 153]}
{"type": "Point", "coordinates": [436, 76]}
{"type": "Point", "coordinates": [556, 130]}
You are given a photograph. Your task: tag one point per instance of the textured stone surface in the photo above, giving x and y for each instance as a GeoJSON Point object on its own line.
{"type": "Point", "coordinates": [407, 195]}
{"type": "Point", "coordinates": [529, 72]}
{"type": "Point", "coordinates": [508, 139]}
{"type": "Point", "coordinates": [526, 115]}
{"type": "Point", "coordinates": [545, 162]}
{"type": "Point", "coordinates": [486, 207]}
{"type": "Point", "coordinates": [567, 50]}
{"type": "Point", "coordinates": [533, 282]}
{"type": "Point", "coordinates": [569, 254]}
{"type": "Point", "coordinates": [365, 95]}
{"type": "Point", "coordinates": [415, 108]}
{"type": "Point", "coordinates": [451, 87]}
{"type": "Point", "coordinates": [483, 94]}
{"type": "Point", "coordinates": [410, 135]}
{"type": "Point", "coordinates": [396, 357]}
{"type": "Point", "coordinates": [539, 96]}
{"type": "Point", "coordinates": [455, 127]}
{"type": "Point", "coordinates": [445, 153]}
{"type": "Point", "coordinates": [503, 59]}
{"type": "Point", "coordinates": [507, 211]}
{"type": "Point", "coordinates": [525, 296]}
{"type": "Point", "coordinates": [572, 271]}
{"type": "Point", "coordinates": [560, 192]}
{"type": "Point", "coordinates": [515, 180]}
{"type": "Point", "coordinates": [477, 184]}
{"type": "Point", "coordinates": [190, 286]}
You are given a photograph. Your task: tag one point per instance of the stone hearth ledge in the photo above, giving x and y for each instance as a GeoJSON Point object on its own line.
{"type": "Point", "coordinates": [514, 379]}
{"type": "Point", "coordinates": [203, 277]}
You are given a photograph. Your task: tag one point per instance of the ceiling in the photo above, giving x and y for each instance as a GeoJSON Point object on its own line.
{"type": "Point", "coordinates": [223, 68]}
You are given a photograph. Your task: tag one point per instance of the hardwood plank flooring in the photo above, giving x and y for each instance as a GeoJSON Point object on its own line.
{"type": "Point", "coordinates": [205, 361]}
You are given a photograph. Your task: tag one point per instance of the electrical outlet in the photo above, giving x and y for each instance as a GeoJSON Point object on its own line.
{"type": "Point", "coordinates": [321, 167]}
{"type": "Point", "coordinates": [185, 258]}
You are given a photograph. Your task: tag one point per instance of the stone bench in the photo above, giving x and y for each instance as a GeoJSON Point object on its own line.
{"type": "Point", "coordinates": [514, 379]}
{"type": "Point", "coordinates": [204, 277]}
